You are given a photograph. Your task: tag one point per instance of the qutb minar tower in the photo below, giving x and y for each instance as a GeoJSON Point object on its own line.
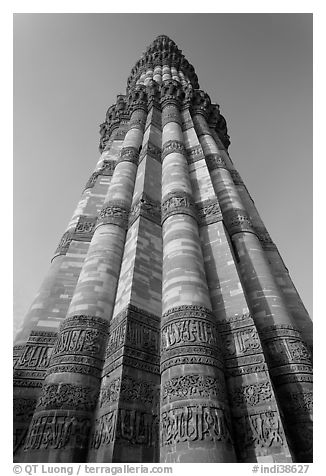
{"type": "Point", "coordinates": [167, 328]}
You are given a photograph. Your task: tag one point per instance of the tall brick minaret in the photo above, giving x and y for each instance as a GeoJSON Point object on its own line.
{"type": "Point", "coordinates": [168, 328]}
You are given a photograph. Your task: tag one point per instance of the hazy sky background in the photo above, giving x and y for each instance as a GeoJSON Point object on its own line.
{"type": "Point", "coordinates": [68, 69]}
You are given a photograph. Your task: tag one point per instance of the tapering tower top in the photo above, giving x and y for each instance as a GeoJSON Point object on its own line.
{"type": "Point", "coordinates": [162, 52]}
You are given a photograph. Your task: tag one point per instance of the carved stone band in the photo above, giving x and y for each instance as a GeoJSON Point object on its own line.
{"type": "Point", "coordinates": [191, 326]}
{"type": "Point", "coordinates": [80, 345]}
{"type": "Point", "coordinates": [195, 423]}
{"type": "Point", "coordinates": [208, 212]}
{"type": "Point", "coordinates": [194, 154]}
{"type": "Point", "coordinates": [129, 154]}
{"type": "Point", "coordinates": [114, 213]}
{"type": "Point", "coordinates": [215, 161]}
{"type": "Point", "coordinates": [66, 430]}
{"type": "Point", "coordinates": [106, 169]}
{"type": "Point", "coordinates": [126, 426]}
{"type": "Point", "coordinates": [135, 328]}
{"type": "Point", "coordinates": [147, 208]}
{"type": "Point", "coordinates": [176, 203]}
{"type": "Point", "coordinates": [284, 345]}
{"type": "Point", "coordinates": [173, 146]}
{"type": "Point", "coordinates": [82, 335]}
{"type": "Point", "coordinates": [193, 386]}
{"type": "Point", "coordinates": [83, 231]}
{"type": "Point", "coordinates": [67, 396]}
{"type": "Point", "coordinates": [238, 221]}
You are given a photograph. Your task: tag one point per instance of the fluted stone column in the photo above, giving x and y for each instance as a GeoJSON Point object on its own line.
{"type": "Point", "coordinates": [127, 416]}
{"type": "Point", "coordinates": [70, 392]}
{"type": "Point", "coordinates": [34, 341]}
{"type": "Point", "coordinates": [195, 422]}
{"type": "Point", "coordinates": [286, 353]}
{"type": "Point", "coordinates": [253, 403]}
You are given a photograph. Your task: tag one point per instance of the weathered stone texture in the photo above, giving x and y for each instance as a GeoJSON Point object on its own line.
{"type": "Point", "coordinates": [167, 328]}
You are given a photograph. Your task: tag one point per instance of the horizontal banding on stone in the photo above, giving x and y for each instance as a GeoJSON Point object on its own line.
{"type": "Point", "coordinates": [178, 202]}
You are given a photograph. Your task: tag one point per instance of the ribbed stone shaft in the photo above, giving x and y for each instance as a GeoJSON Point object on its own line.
{"type": "Point", "coordinates": [35, 340]}
{"type": "Point", "coordinates": [126, 427]}
{"type": "Point", "coordinates": [70, 391]}
{"type": "Point", "coordinates": [286, 353]}
{"type": "Point", "coordinates": [245, 368]}
{"type": "Point", "coordinates": [195, 423]}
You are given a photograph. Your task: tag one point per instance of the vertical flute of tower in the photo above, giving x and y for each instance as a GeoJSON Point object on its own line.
{"type": "Point", "coordinates": [280, 272]}
{"type": "Point", "coordinates": [70, 391]}
{"type": "Point", "coordinates": [190, 349]}
{"type": "Point", "coordinates": [51, 303]}
{"type": "Point", "coordinates": [286, 353]}
{"type": "Point", "coordinates": [251, 396]}
{"type": "Point", "coordinates": [127, 415]}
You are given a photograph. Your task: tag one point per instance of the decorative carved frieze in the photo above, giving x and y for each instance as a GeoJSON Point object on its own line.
{"type": "Point", "coordinates": [261, 430]}
{"type": "Point", "coordinates": [80, 345]}
{"type": "Point", "coordinates": [178, 202]}
{"type": "Point", "coordinates": [67, 396]}
{"type": "Point", "coordinates": [23, 408]}
{"type": "Point", "coordinates": [238, 221]}
{"type": "Point", "coordinates": [194, 154]}
{"type": "Point", "coordinates": [114, 213]}
{"type": "Point", "coordinates": [129, 426]}
{"type": "Point", "coordinates": [284, 345]}
{"type": "Point", "coordinates": [208, 212]}
{"type": "Point", "coordinates": [110, 392]}
{"type": "Point", "coordinates": [147, 208]}
{"type": "Point", "coordinates": [127, 389]}
{"type": "Point", "coordinates": [129, 154]}
{"type": "Point", "coordinates": [58, 430]}
{"type": "Point", "coordinates": [35, 356]}
{"type": "Point", "coordinates": [64, 243]}
{"type": "Point", "coordinates": [193, 386]}
{"type": "Point", "coordinates": [134, 335]}
{"type": "Point", "coordinates": [215, 161]}
{"type": "Point", "coordinates": [83, 231]}
{"type": "Point", "coordinates": [241, 342]}
{"type": "Point", "coordinates": [85, 228]}
{"type": "Point", "coordinates": [299, 402]}
{"type": "Point", "coordinates": [81, 334]}
{"type": "Point", "coordinates": [195, 423]}
{"type": "Point", "coordinates": [252, 394]}
{"type": "Point", "coordinates": [189, 330]}
{"type": "Point", "coordinates": [172, 146]}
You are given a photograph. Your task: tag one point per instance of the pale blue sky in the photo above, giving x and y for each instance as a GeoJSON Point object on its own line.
{"type": "Point", "coordinates": [68, 69]}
